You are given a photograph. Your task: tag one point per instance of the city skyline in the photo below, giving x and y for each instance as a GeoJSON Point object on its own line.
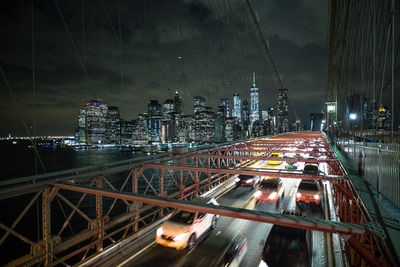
{"type": "Point", "coordinates": [195, 47]}
{"type": "Point", "coordinates": [100, 123]}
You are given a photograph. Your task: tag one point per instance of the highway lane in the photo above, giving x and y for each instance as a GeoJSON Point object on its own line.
{"type": "Point", "coordinates": [209, 250]}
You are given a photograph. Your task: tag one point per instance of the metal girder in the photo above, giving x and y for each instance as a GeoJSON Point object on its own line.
{"type": "Point", "coordinates": [46, 227]}
{"type": "Point", "coordinates": [287, 144]}
{"type": "Point", "coordinates": [271, 151]}
{"type": "Point", "coordinates": [261, 158]}
{"type": "Point", "coordinates": [283, 147]}
{"type": "Point", "coordinates": [254, 215]}
{"type": "Point", "coordinates": [248, 171]}
{"type": "Point", "coordinates": [363, 251]}
{"type": "Point", "coordinates": [99, 215]}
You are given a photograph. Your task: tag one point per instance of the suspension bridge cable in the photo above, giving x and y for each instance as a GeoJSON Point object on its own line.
{"type": "Point", "coordinates": [21, 117]}
{"type": "Point", "coordinates": [74, 47]}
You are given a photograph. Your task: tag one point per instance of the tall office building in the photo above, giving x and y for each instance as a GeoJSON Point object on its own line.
{"type": "Point", "coordinates": [246, 115]}
{"type": "Point", "coordinates": [283, 114]}
{"type": "Point", "coordinates": [186, 132]}
{"type": "Point", "coordinates": [141, 132]}
{"type": "Point", "coordinates": [236, 110]}
{"type": "Point", "coordinates": [112, 119]}
{"type": "Point", "coordinates": [126, 132]}
{"type": "Point", "coordinates": [254, 111]}
{"type": "Point", "coordinates": [204, 124]}
{"type": "Point", "coordinates": [167, 121]}
{"type": "Point", "coordinates": [384, 118]}
{"type": "Point", "coordinates": [225, 102]}
{"type": "Point", "coordinates": [219, 129]}
{"type": "Point", "coordinates": [199, 104]}
{"type": "Point", "coordinates": [178, 106]}
{"type": "Point", "coordinates": [229, 129]}
{"type": "Point", "coordinates": [154, 122]}
{"type": "Point", "coordinates": [93, 122]}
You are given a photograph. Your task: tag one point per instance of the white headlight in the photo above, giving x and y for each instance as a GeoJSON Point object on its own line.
{"type": "Point", "coordinates": [237, 179]}
{"type": "Point", "coordinates": [249, 181]}
{"type": "Point", "coordinates": [160, 231]}
{"type": "Point", "coordinates": [298, 195]}
{"type": "Point", "coordinates": [316, 196]}
{"type": "Point", "coordinates": [180, 237]}
{"type": "Point", "coordinates": [272, 195]}
{"type": "Point", "coordinates": [257, 193]}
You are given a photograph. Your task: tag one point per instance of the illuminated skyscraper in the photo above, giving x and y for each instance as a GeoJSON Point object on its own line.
{"type": "Point", "coordinates": [245, 114]}
{"type": "Point", "coordinates": [283, 114]}
{"type": "Point", "coordinates": [93, 122]}
{"type": "Point", "coordinates": [167, 121]}
{"type": "Point", "coordinates": [111, 124]}
{"type": "Point", "coordinates": [186, 132]}
{"type": "Point", "coordinates": [219, 129]}
{"type": "Point", "coordinates": [384, 118]}
{"type": "Point", "coordinates": [204, 124]}
{"type": "Point", "coordinates": [254, 111]}
{"type": "Point", "coordinates": [141, 132]}
{"type": "Point", "coordinates": [236, 110]}
{"type": "Point", "coordinates": [225, 102]}
{"type": "Point", "coordinates": [178, 107]}
{"type": "Point", "coordinates": [199, 104]}
{"type": "Point", "coordinates": [204, 121]}
{"type": "Point", "coordinates": [154, 122]}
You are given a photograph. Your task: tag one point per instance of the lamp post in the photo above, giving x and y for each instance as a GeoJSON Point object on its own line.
{"type": "Point", "coordinates": [331, 117]}
{"type": "Point", "coordinates": [352, 117]}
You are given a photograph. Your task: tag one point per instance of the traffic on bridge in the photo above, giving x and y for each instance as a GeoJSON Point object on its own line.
{"type": "Point", "coordinates": [283, 199]}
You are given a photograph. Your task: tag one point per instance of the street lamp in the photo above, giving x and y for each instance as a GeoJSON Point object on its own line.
{"type": "Point", "coordinates": [331, 107]}
{"type": "Point", "coordinates": [330, 115]}
{"type": "Point", "coordinates": [352, 116]}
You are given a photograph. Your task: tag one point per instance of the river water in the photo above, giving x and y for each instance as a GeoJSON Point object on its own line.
{"type": "Point", "coordinates": [20, 162]}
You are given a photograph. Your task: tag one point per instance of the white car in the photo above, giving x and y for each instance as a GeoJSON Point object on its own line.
{"type": "Point", "coordinates": [184, 228]}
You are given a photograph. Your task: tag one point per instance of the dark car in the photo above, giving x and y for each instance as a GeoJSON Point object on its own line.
{"type": "Point", "coordinates": [221, 251]}
{"type": "Point", "coordinates": [247, 180]}
{"type": "Point", "coordinates": [234, 252]}
{"type": "Point", "coordinates": [286, 246]}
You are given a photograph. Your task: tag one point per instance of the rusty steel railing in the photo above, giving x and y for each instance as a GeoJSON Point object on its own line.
{"type": "Point", "coordinates": [378, 163]}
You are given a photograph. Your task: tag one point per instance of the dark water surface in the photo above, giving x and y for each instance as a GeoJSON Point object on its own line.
{"type": "Point", "coordinates": [20, 162]}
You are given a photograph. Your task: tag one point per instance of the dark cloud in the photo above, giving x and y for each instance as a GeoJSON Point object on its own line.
{"type": "Point", "coordinates": [206, 48]}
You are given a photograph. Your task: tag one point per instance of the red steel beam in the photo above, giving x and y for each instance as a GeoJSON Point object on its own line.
{"type": "Point", "coordinates": [249, 171]}
{"type": "Point", "coordinates": [364, 252]}
{"type": "Point", "coordinates": [261, 158]}
{"type": "Point", "coordinates": [270, 151]}
{"type": "Point", "coordinates": [253, 215]}
{"type": "Point", "coordinates": [277, 146]}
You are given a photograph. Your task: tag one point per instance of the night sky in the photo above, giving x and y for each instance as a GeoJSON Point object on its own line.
{"type": "Point", "coordinates": [207, 48]}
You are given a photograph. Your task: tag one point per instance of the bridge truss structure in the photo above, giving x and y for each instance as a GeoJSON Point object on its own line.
{"type": "Point", "coordinates": [67, 216]}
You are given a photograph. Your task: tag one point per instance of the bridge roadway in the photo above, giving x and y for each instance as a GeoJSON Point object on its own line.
{"type": "Point", "coordinates": [145, 252]}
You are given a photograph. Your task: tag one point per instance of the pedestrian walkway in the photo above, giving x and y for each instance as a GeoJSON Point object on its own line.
{"type": "Point", "coordinates": [380, 209]}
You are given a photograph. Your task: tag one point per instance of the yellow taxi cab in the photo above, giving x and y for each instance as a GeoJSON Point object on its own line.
{"type": "Point", "coordinates": [274, 162]}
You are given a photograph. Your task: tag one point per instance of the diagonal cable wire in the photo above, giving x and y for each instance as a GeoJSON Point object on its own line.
{"type": "Point", "coordinates": [21, 117]}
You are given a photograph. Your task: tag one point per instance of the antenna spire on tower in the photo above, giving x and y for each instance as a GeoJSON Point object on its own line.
{"type": "Point", "coordinates": [254, 79]}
